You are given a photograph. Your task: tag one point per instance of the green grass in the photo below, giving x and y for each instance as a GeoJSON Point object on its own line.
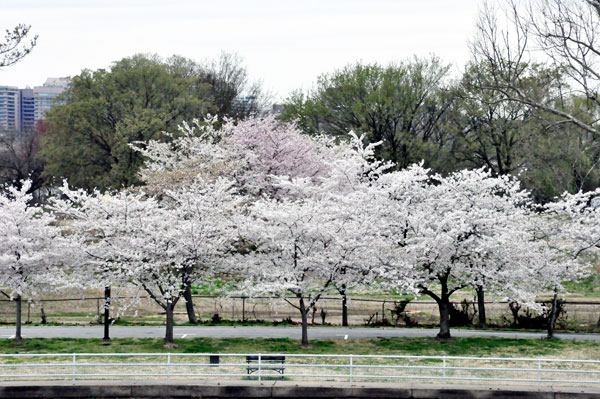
{"type": "Point", "coordinates": [502, 347]}
{"type": "Point", "coordinates": [216, 287]}
{"type": "Point", "coordinates": [587, 287]}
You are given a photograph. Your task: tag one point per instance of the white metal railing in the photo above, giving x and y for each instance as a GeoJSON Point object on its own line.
{"type": "Point", "coordinates": [350, 368]}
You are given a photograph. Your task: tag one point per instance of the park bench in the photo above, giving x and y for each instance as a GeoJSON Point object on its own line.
{"type": "Point", "coordinates": [267, 362]}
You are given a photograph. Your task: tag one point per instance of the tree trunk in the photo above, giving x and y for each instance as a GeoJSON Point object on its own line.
{"type": "Point", "coordinates": [514, 309]}
{"type": "Point", "coordinates": [552, 316]}
{"type": "Point", "coordinates": [481, 308]}
{"type": "Point", "coordinates": [444, 307]}
{"type": "Point", "coordinates": [304, 312]}
{"type": "Point", "coordinates": [344, 308]}
{"type": "Point", "coordinates": [169, 341]}
{"type": "Point", "coordinates": [18, 302]}
{"type": "Point", "coordinates": [106, 314]}
{"type": "Point", "coordinates": [189, 305]}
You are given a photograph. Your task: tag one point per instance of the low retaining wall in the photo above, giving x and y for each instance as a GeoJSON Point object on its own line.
{"type": "Point", "coordinates": [271, 390]}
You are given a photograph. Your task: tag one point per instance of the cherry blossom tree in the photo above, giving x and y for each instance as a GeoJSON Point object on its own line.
{"type": "Point", "coordinates": [554, 267]}
{"type": "Point", "coordinates": [354, 169]}
{"type": "Point", "coordinates": [252, 153]}
{"type": "Point", "coordinates": [32, 252]}
{"type": "Point", "coordinates": [578, 215]}
{"type": "Point", "coordinates": [89, 219]}
{"type": "Point", "coordinates": [501, 254]}
{"type": "Point", "coordinates": [160, 246]}
{"type": "Point", "coordinates": [453, 232]}
{"type": "Point", "coordinates": [320, 234]}
{"type": "Point", "coordinates": [302, 246]}
{"type": "Point", "coordinates": [572, 227]}
{"type": "Point", "coordinates": [471, 229]}
{"type": "Point", "coordinates": [274, 149]}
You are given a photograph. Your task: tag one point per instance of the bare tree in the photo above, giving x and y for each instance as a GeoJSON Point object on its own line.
{"type": "Point", "coordinates": [18, 159]}
{"type": "Point", "coordinates": [15, 45]}
{"type": "Point", "coordinates": [227, 81]}
{"type": "Point", "coordinates": [563, 33]}
{"type": "Point", "coordinates": [234, 95]}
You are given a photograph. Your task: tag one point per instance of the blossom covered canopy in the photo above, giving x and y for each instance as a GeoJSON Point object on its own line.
{"type": "Point", "coordinates": [32, 251]}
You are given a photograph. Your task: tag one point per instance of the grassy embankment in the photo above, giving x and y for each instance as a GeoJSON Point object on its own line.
{"type": "Point", "coordinates": [480, 347]}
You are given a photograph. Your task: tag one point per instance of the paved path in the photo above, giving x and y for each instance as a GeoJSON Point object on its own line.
{"type": "Point", "coordinates": [265, 332]}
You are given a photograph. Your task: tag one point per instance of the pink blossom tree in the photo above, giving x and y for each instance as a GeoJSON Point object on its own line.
{"type": "Point", "coordinates": [251, 152]}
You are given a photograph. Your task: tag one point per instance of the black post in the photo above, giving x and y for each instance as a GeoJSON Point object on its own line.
{"type": "Point", "coordinates": [106, 314]}
{"type": "Point", "coordinates": [344, 311]}
{"type": "Point", "coordinates": [243, 308]}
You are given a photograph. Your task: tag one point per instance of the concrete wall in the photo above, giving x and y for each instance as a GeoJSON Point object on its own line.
{"type": "Point", "coordinates": [284, 390]}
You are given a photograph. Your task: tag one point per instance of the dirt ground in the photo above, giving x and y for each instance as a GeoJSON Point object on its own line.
{"type": "Point", "coordinates": [84, 308]}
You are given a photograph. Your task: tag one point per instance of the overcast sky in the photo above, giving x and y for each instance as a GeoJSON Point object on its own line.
{"type": "Point", "coordinates": [284, 43]}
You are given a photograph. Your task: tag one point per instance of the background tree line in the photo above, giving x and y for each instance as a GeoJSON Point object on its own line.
{"type": "Point", "coordinates": [526, 104]}
{"type": "Point", "coordinates": [420, 112]}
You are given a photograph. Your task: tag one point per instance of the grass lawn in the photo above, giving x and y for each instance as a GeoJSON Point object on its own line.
{"type": "Point", "coordinates": [481, 347]}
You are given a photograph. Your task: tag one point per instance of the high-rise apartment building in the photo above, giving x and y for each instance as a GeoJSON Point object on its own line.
{"type": "Point", "coordinates": [9, 108]}
{"type": "Point", "coordinates": [20, 109]}
{"type": "Point", "coordinates": [27, 110]}
{"type": "Point", "coordinates": [45, 95]}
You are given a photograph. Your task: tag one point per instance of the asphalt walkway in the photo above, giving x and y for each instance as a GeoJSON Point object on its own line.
{"type": "Point", "coordinates": [266, 332]}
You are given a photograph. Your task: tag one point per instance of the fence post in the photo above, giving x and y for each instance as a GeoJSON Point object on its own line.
{"type": "Point", "coordinates": [259, 367]}
{"type": "Point", "coordinates": [444, 369]}
{"type": "Point", "coordinates": [169, 366]}
{"type": "Point", "coordinates": [539, 373]}
{"type": "Point", "coordinates": [74, 366]}
{"type": "Point", "coordinates": [351, 370]}
{"type": "Point", "coordinates": [243, 308]}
